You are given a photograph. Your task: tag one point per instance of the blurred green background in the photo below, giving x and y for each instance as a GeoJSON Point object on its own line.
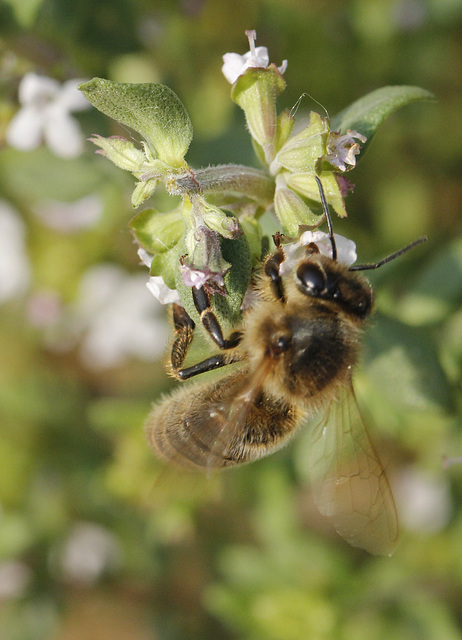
{"type": "Point", "coordinates": [97, 541]}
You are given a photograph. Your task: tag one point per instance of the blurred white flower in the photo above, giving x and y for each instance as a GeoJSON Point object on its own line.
{"type": "Point", "coordinates": [14, 579]}
{"type": "Point", "coordinates": [118, 318]}
{"type": "Point", "coordinates": [68, 217]}
{"type": "Point", "coordinates": [293, 251]}
{"type": "Point", "coordinates": [14, 263]}
{"type": "Point", "coordinates": [423, 500]}
{"type": "Point", "coordinates": [89, 552]}
{"type": "Point", "coordinates": [234, 65]}
{"type": "Point", "coordinates": [45, 115]}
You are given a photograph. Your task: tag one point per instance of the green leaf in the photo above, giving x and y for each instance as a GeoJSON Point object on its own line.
{"type": "Point", "coordinates": [403, 363]}
{"type": "Point", "coordinates": [367, 114]}
{"type": "Point", "coordinates": [153, 110]}
{"type": "Point", "coordinates": [157, 232]}
{"type": "Point", "coordinates": [166, 265]}
{"type": "Point", "coordinates": [253, 232]}
{"type": "Point", "coordinates": [437, 287]}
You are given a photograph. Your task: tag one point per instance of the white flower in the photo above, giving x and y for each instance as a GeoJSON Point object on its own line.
{"type": "Point", "coordinates": [45, 115]}
{"type": "Point", "coordinates": [118, 318]}
{"type": "Point", "coordinates": [161, 292]}
{"type": "Point", "coordinates": [293, 251]}
{"type": "Point", "coordinates": [68, 217]}
{"type": "Point", "coordinates": [156, 284]}
{"type": "Point", "coordinates": [342, 148]}
{"type": "Point", "coordinates": [14, 263]}
{"type": "Point", "coordinates": [234, 65]}
{"type": "Point", "coordinates": [89, 552]}
{"type": "Point", "coordinates": [423, 500]}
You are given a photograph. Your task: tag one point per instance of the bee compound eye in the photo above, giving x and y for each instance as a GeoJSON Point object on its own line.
{"type": "Point", "coordinates": [279, 345]}
{"type": "Point", "coordinates": [312, 278]}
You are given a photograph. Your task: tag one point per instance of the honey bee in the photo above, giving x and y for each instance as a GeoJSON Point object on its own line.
{"type": "Point", "coordinates": [292, 357]}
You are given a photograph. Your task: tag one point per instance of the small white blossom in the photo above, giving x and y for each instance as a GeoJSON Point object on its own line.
{"type": "Point", "coordinates": [342, 148]}
{"type": "Point", "coordinates": [423, 500]}
{"type": "Point", "coordinates": [14, 263]}
{"type": "Point", "coordinates": [293, 251]}
{"type": "Point", "coordinates": [68, 217]}
{"type": "Point", "coordinates": [45, 115]}
{"type": "Point", "coordinates": [89, 552]}
{"type": "Point", "coordinates": [112, 320]}
{"type": "Point", "coordinates": [118, 319]}
{"type": "Point", "coordinates": [234, 65]}
{"type": "Point", "coordinates": [161, 292]}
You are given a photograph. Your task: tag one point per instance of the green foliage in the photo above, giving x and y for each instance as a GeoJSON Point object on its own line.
{"type": "Point", "coordinates": [245, 555]}
{"type": "Point", "coordinates": [369, 112]}
{"type": "Point", "coordinates": [153, 110]}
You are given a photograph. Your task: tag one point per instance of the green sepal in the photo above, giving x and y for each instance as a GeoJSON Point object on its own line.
{"type": "Point", "coordinates": [153, 110]}
{"type": "Point", "coordinates": [255, 91]}
{"type": "Point", "coordinates": [302, 151]}
{"type": "Point", "coordinates": [285, 124]}
{"type": "Point", "coordinates": [228, 307]}
{"type": "Point", "coordinates": [305, 184]}
{"type": "Point", "coordinates": [367, 114]}
{"type": "Point", "coordinates": [157, 232]}
{"type": "Point", "coordinates": [292, 210]}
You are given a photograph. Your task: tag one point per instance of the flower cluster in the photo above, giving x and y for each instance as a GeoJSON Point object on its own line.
{"type": "Point", "coordinates": [213, 238]}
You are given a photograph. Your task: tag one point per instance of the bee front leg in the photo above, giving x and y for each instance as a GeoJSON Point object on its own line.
{"type": "Point", "coordinates": [184, 332]}
{"type": "Point", "coordinates": [271, 269]}
{"type": "Point", "coordinates": [210, 321]}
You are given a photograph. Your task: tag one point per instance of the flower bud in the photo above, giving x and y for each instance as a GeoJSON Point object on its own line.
{"type": "Point", "coordinates": [121, 152]}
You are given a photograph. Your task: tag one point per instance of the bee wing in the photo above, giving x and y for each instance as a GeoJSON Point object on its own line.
{"type": "Point", "coordinates": [231, 419]}
{"type": "Point", "coordinates": [349, 483]}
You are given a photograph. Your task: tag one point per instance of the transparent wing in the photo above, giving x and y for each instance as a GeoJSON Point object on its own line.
{"type": "Point", "coordinates": [349, 483]}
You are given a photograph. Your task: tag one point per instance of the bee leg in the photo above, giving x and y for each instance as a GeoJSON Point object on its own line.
{"type": "Point", "coordinates": [209, 364]}
{"type": "Point", "coordinates": [272, 264]}
{"type": "Point", "coordinates": [184, 331]}
{"type": "Point", "coordinates": [210, 321]}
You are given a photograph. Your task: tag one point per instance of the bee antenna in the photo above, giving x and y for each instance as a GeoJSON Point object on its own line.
{"type": "Point", "coordinates": [376, 265]}
{"type": "Point", "coordinates": [325, 209]}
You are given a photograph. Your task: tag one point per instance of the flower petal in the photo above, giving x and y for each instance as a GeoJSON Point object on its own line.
{"type": "Point", "coordinates": [70, 98]}
{"type": "Point", "coordinates": [34, 88]}
{"type": "Point", "coordinates": [63, 134]}
{"type": "Point", "coordinates": [25, 129]}
{"type": "Point", "coordinates": [161, 292]}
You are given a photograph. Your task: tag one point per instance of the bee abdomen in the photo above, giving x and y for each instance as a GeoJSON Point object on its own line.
{"type": "Point", "coordinates": [220, 424]}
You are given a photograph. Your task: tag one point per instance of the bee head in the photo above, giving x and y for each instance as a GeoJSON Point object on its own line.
{"type": "Point", "coordinates": [322, 278]}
